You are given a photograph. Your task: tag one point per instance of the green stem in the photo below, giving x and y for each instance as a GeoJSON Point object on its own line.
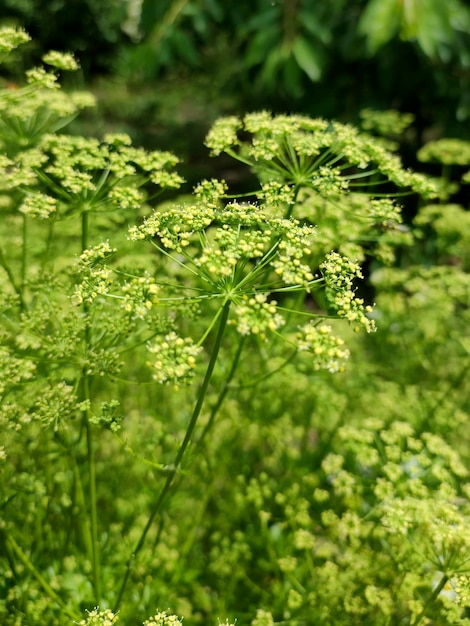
{"type": "Point", "coordinates": [84, 230]}
{"type": "Point", "coordinates": [179, 457]}
{"type": "Point", "coordinates": [432, 598]}
{"type": "Point", "coordinates": [167, 22]}
{"type": "Point", "coordinates": [91, 465]}
{"type": "Point", "coordinates": [37, 575]}
{"type": "Point", "coordinates": [93, 505]}
{"type": "Point", "coordinates": [24, 253]}
{"type": "Point", "coordinates": [225, 389]}
{"type": "Point", "coordinates": [85, 530]}
{"type": "Point", "coordinates": [291, 207]}
{"type": "Point", "coordinates": [7, 268]}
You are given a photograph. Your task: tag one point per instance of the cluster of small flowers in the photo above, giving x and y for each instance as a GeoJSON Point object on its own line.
{"type": "Point", "coordinates": [446, 151]}
{"type": "Point", "coordinates": [61, 60]}
{"type": "Point", "coordinates": [108, 618]}
{"type": "Point", "coordinates": [274, 194]}
{"type": "Point", "coordinates": [255, 315]}
{"type": "Point", "coordinates": [140, 295]}
{"type": "Point", "coordinates": [127, 197]}
{"type": "Point", "coordinates": [162, 618]}
{"type": "Point", "coordinates": [352, 146]}
{"type": "Point", "coordinates": [14, 371]}
{"type": "Point", "coordinates": [263, 618]}
{"type": "Point", "coordinates": [28, 107]}
{"type": "Point", "coordinates": [21, 171]}
{"type": "Point", "coordinates": [264, 148]}
{"type": "Point", "coordinates": [97, 254]}
{"type": "Point", "coordinates": [40, 77]}
{"type": "Point", "coordinates": [247, 233]}
{"type": "Point", "coordinates": [175, 359]}
{"type": "Point", "coordinates": [281, 125]}
{"type": "Point", "coordinates": [96, 279]}
{"type": "Point", "coordinates": [38, 205]}
{"type": "Point", "coordinates": [11, 38]}
{"type": "Point", "coordinates": [384, 211]}
{"type": "Point", "coordinates": [461, 585]}
{"type": "Point", "coordinates": [72, 180]}
{"type": "Point", "coordinates": [417, 482]}
{"type": "Point", "coordinates": [443, 528]}
{"type": "Point", "coordinates": [99, 618]}
{"type": "Point", "coordinates": [339, 273]}
{"type": "Point", "coordinates": [99, 173]}
{"type": "Point", "coordinates": [390, 122]}
{"type": "Point", "coordinates": [329, 181]}
{"type": "Point", "coordinates": [328, 350]}
{"type": "Point", "coordinates": [109, 415]}
{"type": "Point", "coordinates": [56, 405]}
{"type": "Point", "coordinates": [287, 146]}
{"type": "Point", "coordinates": [175, 226]}
{"type": "Point", "coordinates": [391, 166]}
{"type": "Point", "coordinates": [242, 214]}
{"type": "Point", "coordinates": [102, 362]}
{"type": "Point", "coordinates": [288, 263]}
{"type": "Point", "coordinates": [210, 192]}
{"type": "Point", "coordinates": [223, 134]}
{"type": "Point", "coordinates": [229, 246]}
{"type": "Point", "coordinates": [350, 307]}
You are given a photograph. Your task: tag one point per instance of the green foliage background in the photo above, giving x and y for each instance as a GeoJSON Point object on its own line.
{"type": "Point", "coordinates": [323, 58]}
{"type": "Point", "coordinates": [306, 496]}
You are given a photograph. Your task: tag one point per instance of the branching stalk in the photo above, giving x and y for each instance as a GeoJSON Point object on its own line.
{"type": "Point", "coordinates": [11, 543]}
{"type": "Point", "coordinates": [181, 452]}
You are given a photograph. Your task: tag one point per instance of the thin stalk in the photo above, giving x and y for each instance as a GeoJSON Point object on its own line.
{"type": "Point", "coordinates": [181, 452]}
{"type": "Point", "coordinates": [37, 575]}
{"type": "Point", "coordinates": [85, 529]}
{"type": "Point", "coordinates": [267, 375]}
{"type": "Point", "coordinates": [291, 207]}
{"type": "Point", "coordinates": [7, 268]}
{"type": "Point", "coordinates": [96, 568]}
{"type": "Point", "coordinates": [84, 241]}
{"type": "Point", "coordinates": [24, 252]}
{"type": "Point", "coordinates": [167, 22]}
{"type": "Point", "coordinates": [432, 598]}
{"type": "Point", "coordinates": [91, 465]}
{"type": "Point", "coordinates": [223, 392]}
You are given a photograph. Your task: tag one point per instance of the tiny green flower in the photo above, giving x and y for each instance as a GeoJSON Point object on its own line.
{"type": "Point", "coordinates": [328, 351]}
{"type": "Point", "coordinates": [447, 151]}
{"type": "Point", "coordinates": [174, 359]}
{"type": "Point", "coordinates": [61, 60]}
{"type": "Point", "coordinates": [255, 315]}
{"type": "Point", "coordinates": [99, 618]}
{"type": "Point", "coordinates": [163, 618]}
{"type": "Point", "coordinates": [11, 38]}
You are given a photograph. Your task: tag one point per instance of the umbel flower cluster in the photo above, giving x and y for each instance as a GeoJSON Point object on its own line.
{"type": "Point", "coordinates": [242, 254]}
{"type": "Point", "coordinates": [327, 157]}
{"type": "Point", "coordinates": [28, 112]}
{"type": "Point", "coordinates": [108, 618]}
{"type": "Point", "coordinates": [66, 174]}
{"type": "Point", "coordinates": [111, 301]}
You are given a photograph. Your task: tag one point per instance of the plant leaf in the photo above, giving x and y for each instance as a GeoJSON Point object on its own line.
{"type": "Point", "coordinates": [380, 22]}
{"type": "Point", "coordinates": [307, 60]}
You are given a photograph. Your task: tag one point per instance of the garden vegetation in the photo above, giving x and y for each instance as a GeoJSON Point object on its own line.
{"type": "Point", "coordinates": [206, 412]}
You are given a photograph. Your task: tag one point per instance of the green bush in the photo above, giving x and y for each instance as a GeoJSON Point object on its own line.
{"type": "Point", "coordinates": [190, 415]}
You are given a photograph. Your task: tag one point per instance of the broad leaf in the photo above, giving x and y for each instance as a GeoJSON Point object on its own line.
{"type": "Point", "coordinates": [307, 60]}
{"type": "Point", "coordinates": [380, 22]}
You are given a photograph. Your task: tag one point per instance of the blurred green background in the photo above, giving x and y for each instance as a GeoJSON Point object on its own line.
{"type": "Point", "coordinates": [165, 69]}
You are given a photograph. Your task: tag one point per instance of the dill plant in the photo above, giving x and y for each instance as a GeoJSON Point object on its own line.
{"type": "Point", "coordinates": [139, 339]}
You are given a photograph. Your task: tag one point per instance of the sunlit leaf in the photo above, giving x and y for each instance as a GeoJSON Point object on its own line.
{"type": "Point", "coordinates": [307, 60]}
{"type": "Point", "coordinates": [380, 22]}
